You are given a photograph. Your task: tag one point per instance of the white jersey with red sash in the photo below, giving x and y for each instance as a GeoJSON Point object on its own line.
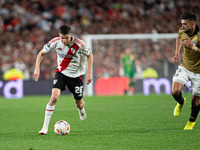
{"type": "Point", "coordinates": [71, 59]}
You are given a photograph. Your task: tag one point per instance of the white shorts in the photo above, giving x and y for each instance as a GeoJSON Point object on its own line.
{"type": "Point", "coordinates": [183, 76]}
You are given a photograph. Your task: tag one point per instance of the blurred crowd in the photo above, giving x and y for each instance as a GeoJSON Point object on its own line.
{"type": "Point", "coordinates": [26, 25]}
{"type": "Point", "coordinates": [157, 54]}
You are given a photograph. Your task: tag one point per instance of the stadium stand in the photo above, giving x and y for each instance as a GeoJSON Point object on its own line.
{"type": "Point", "coordinates": [25, 26]}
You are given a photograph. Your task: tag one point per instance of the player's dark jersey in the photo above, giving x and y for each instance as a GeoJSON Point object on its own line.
{"type": "Point", "coordinates": [191, 58]}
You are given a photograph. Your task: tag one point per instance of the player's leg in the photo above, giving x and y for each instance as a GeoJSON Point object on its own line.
{"type": "Point", "coordinates": [131, 86]}
{"type": "Point", "coordinates": [194, 108]}
{"type": "Point", "coordinates": [195, 84]}
{"type": "Point", "coordinates": [80, 104]}
{"type": "Point", "coordinates": [179, 80]}
{"type": "Point", "coordinates": [177, 94]}
{"type": "Point", "coordinates": [194, 112]}
{"type": "Point", "coordinates": [75, 85]}
{"type": "Point", "coordinates": [78, 97]}
{"type": "Point", "coordinates": [49, 110]}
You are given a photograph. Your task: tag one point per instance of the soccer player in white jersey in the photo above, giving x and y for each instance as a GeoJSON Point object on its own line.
{"type": "Point", "coordinates": [73, 57]}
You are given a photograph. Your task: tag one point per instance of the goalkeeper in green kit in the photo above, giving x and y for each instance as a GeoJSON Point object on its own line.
{"type": "Point", "coordinates": [128, 64]}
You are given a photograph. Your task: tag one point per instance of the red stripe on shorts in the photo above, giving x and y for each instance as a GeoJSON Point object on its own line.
{"type": "Point", "coordinates": [81, 79]}
{"type": "Point", "coordinates": [56, 71]}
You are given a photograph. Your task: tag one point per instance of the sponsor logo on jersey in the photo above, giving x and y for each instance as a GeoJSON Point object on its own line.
{"type": "Point", "coordinates": [55, 81]}
{"type": "Point", "coordinates": [69, 56]}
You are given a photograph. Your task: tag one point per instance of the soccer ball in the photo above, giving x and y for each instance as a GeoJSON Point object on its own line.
{"type": "Point", "coordinates": [61, 127]}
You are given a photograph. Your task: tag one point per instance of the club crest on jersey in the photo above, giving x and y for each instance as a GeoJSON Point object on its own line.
{"type": "Point", "coordinates": [55, 81]}
{"type": "Point", "coordinates": [73, 50]}
{"type": "Point", "coordinates": [194, 42]}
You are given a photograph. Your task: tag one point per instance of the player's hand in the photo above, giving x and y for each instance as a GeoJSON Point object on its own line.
{"type": "Point", "coordinates": [88, 78]}
{"type": "Point", "coordinates": [175, 59]}
{"type": "Point", "coordinates": [188, 43]}
{"type": "Point", "coordinates": [36, 75]}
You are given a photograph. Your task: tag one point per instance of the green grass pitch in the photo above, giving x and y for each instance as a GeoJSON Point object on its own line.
{"type": "Point", "coordinates": [113, 123]}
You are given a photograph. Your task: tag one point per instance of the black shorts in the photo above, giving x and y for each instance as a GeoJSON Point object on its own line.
{"type": "Point", "coordinates": [75, 85]}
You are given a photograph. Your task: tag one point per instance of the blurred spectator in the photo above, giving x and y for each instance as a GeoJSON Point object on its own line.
{"type": "Point", "coordinates": [27, 24]}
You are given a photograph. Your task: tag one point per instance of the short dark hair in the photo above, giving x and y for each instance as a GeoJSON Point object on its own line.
{"type": "Point", "coordinates": [189, 16]}
{"type": "Point", "coordinates": [64, 29]}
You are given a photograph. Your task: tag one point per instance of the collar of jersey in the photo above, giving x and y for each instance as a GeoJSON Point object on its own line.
{"type": "Point", "coordinates": [195, 32]}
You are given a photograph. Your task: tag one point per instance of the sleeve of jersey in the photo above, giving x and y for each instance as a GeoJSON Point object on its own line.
{"type": "Point", "coordinates": [49, 47]}
{"type": "Point", "coordinates": [182, 34]}
{"type": "Point", "coordinates": [86, 50]}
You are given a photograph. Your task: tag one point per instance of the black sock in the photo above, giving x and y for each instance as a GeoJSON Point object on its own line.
{"type": "Point", "coordinates": [194, 113]}
{"type": "Point", "coordinates": [179, 98]}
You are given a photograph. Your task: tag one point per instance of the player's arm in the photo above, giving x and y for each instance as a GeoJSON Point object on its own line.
{"type": "Point", "coordinates": [189, 44]}
{"type": "Point", "coordinates": [178, 47]}
{"type": "Point", "coordinates": [89, 68]}
{"type": "Point", "coordinates": [39, 58]}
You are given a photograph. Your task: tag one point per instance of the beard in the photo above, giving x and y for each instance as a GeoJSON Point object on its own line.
{"type": "Point", "coordinates": [187, 31]}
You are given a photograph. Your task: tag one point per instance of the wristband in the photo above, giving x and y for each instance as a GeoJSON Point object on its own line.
{"type": "Point", "coordinates": [194, 48]}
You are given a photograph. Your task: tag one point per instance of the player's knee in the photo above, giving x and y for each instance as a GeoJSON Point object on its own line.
{"type": "Point", "coordinates": [175, 92]}
{"type": "Point", "coordinates": [53, 99]}
{"type": "Point", "coordinates": [195, 101]}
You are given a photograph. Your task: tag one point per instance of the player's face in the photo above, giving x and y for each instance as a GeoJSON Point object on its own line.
{"type": "Point", "coordinates": [65, 38]}
{"type": "Point", "coordinates": [128, 51]}
{"type": "Point", "coordinates": [187, 26]}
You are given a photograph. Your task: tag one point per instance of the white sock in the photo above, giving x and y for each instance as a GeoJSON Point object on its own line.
{"type": "Point", "coordinates": [48, 113]}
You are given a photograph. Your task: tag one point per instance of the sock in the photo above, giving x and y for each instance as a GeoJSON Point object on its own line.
{"type": "Point", "coordinates": [179, 98]}
{"type": "Point", "coordinates": [194, 113]}
{"type": "Point", "coordinates": [48, 113]}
